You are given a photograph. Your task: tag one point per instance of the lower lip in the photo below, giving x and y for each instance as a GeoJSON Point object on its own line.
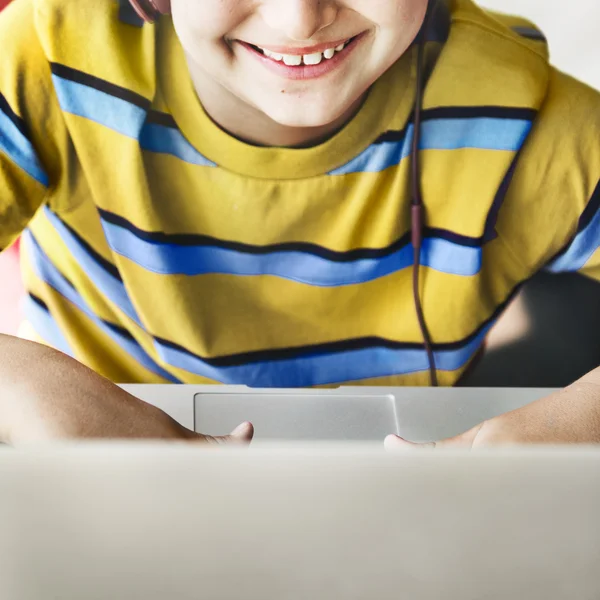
{"type": "Point", "coordinates": [325, 67]}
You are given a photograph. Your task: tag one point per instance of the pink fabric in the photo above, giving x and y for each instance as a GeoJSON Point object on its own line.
{"type": "Point", "coordinates": [11, 291]}
{"type": "Point", "coordinates": [11, 288]}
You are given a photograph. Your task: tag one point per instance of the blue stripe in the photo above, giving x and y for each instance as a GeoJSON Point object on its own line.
{"type": "Point", "coordinates": [304, 371]}
{"type": "Point", "coordinates": [84, 101]}
{"type": "Point", "coordinates": [323, 369]}
{"type": "Point", "coordinates": [20, 150]}
{"type": "Point", "coordinates": [482, 133]}
{"type": "Point", "coordinates": [48, 273]}
{"type": "Point", "coordinates": [45, 326]}
{"type": "Point", "coordinates": [107, 284]}
{"type": "Point", "coordinates": [172, 259]}
{"type": "Point", "coordinates": [166, 140]}
{"type": "Point", "coordinates": [125, 118]}
{"type": "Point", "coordinates": [378, 157]}
{"type": "Point", "coordinates": [581, 249]}
{"type": "Point", "coordinates": [315, 369]}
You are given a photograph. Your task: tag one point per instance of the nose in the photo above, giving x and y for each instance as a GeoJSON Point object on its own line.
{"type": "Point", "coordinates": [299, 20]}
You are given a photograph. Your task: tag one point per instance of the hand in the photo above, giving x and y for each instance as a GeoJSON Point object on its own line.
{"type": "Point", "coordinates": [570, 416]}
{"type": "Point", "coordinates": [61, 399]}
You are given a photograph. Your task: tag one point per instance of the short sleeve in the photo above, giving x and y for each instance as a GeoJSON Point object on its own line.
{"type": "Point", "coordinates": [31, 126]}
{"type": "Point", "coordinates": [550, 218]}
{"type": "Point", "coordinates": [582, 253]}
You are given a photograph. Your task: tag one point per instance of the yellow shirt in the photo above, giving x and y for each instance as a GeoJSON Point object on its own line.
{"type": "Point", "coordinates": [159, 248]}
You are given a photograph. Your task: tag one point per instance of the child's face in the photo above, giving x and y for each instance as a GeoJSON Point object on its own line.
{"type": "Point", "coordinates": [222, 38]}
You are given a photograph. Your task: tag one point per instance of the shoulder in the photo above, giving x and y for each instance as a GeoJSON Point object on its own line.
{"type": "Point", "coordinates": [557, 172]}
{"type": "Point", "coordinates": [571, 109]}
{"type": "Point", "coordinates": [85, 16]}
{"type": "Point", "coordinates": [498, 33]}
{"type": "Point", "coordinates": [60, 57]}
{"type": "Point", "coordinates": [98, 38]}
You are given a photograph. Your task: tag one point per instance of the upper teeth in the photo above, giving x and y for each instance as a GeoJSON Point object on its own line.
{"type": "Point", "coordinates": [295, 60]}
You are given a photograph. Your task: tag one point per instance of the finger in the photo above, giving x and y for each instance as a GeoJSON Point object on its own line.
{"type": "Point", "coordinates": [395, 442]}
{"type": "Point", "coordinates": [241, 435]}
{"type": "Point", "coordinates": [464, 440]}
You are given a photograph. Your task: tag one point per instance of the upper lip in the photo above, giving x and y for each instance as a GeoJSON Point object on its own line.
{"type": "Point", "coordinates": [303, 50]}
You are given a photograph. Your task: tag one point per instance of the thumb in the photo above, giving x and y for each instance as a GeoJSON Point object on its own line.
{"type": "Point", "coordinates": [464, 440]}
{"type": "Point", "coordinates": [241, 435]}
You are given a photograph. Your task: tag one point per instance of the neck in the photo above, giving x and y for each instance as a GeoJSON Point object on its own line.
{"type": "Point", "coordinates": [251, 125]}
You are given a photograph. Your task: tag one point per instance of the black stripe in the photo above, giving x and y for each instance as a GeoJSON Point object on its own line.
{"type": "Point", "coordinates": [591, 209]}
{"type": "Point", "coordinates": [492, 218]}
{"type": "Point", "coordinates": [479, 112]}
{"type": "Point", "coordinates": [455, 238]}
{"type": "Point", "coordinates": [530, 33]}
{"type": "Point", "coordinates": [180, 239]}
{"type": "Point", "coordinates": [440, 23]}
{"type": "Point", "coordinates": [116, 328]}
{"type": "Point", "coordinates": [586, 217]}
{"type": "Point", "coordinates": [280, 354]}
{"type": "Point", "coordinates": [47, 258]}
{"type": "Point", "coordinates": [462, 112]}
{"type": "Point", "coordinates": [128, 15]}
{"type": "Point", "coordinates": [120, 331]}
{"type": "Point", "coordinates": [98, 258]}
{"type": "Point", "coordinates": [395, 136]}
{"type": "Point", "coordinates": [37, 300]}
{"type": "Point", "coordinates": [158, 118]}
{"type": "Point", "coordinates": [12, 115]}
{"type": "Point", "coordinates": [99, 84]}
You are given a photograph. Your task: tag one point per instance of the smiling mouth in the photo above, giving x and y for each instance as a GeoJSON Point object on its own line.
{"type": "Point", "coordinates": [303, 60]}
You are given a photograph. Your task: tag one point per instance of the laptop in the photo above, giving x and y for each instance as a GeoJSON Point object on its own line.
{"type": "Point", "coordinates": [296, 522]}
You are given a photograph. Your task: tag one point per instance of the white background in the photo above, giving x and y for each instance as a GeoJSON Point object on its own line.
{"type": "Point", "coordinates": [572, 27]}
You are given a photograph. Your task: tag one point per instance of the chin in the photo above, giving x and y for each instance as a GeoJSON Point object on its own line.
{"type": "Point", "coordinates": [302, 114]}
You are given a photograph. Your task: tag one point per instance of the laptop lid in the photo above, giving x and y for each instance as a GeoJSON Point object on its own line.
{"type": "Point", "coordinates": [181, 522]}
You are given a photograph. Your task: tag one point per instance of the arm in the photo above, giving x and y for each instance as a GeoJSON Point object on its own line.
{"type": "Point", "coordinates": [571, 416]}
{"type": "Point", "coordinates": [550, 220]}
{"type": "Point", "coordinates": [46, 395]}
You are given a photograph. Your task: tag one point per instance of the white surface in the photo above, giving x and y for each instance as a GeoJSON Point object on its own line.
{"type": "Point", "coordinates": [572, 27]}
{"type": "Point", "coordinates": [163, 522]}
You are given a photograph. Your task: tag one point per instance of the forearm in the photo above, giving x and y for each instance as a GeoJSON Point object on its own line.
{"type": "Point", "coordinates": [45, 395]}
{"type": "Point", "coordinates": [40, 385]}
{"type": "Point", "coordinates": [571, 415]}
{"type": "Point", "coordinates": [22, 364]}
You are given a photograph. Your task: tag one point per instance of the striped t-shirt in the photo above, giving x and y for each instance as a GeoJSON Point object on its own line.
{"type": "Point", "coordinates": [158, 248]}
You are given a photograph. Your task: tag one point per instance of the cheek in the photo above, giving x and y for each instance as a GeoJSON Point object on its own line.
{"type": "Point", "coordinates": [397, 24]}
{"type": "Point", "coordinates": [206, 21]}
{"type": "Point", "coordinates": [393, 15]}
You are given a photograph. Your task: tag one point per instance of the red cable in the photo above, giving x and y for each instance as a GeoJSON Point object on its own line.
{"type": "Point", "coordinates": [417, 207]}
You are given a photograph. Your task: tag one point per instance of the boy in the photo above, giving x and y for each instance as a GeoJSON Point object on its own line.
{"type": "Point", "coordinates": [225, 195]}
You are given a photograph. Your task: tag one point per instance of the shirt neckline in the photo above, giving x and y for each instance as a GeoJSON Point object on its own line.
{"type": "Point", "coordinates": [390, 100]}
